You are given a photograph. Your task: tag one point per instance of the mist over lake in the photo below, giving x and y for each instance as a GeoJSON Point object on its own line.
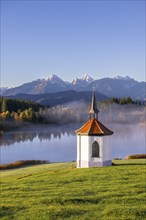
{"type": "Point", "coordinates": [57, 143]}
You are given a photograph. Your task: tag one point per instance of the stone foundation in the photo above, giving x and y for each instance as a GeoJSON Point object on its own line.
{"type": "Point", "coordinates": [107, 163]}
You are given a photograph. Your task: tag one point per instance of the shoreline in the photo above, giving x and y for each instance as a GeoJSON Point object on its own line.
{"type": "Point", "coordinates": [22, 163]}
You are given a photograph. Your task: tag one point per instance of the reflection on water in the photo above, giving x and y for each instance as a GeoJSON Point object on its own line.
{"type": "Point", "coordinates": [55, 143]}
{"type": "Point", "coordinates": [42, 133]}
{"type": "Point", "coordinates": [58, 143]}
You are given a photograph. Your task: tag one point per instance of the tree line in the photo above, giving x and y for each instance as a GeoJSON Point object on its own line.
{"type": "Point", "coordinates": [123, 101]}
{"type": "Point", "coordinates": [19, 110]}
{"type": "Point", "coordinates": [14, 105]}
{"type": "Point", "coordinates": [23, 110]}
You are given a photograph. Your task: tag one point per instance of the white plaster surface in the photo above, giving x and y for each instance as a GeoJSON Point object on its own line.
{"type": "Point", "coordinates": [84, 151]}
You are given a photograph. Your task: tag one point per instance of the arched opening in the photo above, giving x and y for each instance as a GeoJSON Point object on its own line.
{"type": "Point", "coordinates": [95, 149]}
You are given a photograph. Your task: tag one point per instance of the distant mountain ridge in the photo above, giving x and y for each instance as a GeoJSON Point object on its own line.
{"type": "Point", "coordinates": [60, 97]}
{"type": "Point", "coordinates": [3, 89]}
{"type": "Point", "coordinates": [117, 86]}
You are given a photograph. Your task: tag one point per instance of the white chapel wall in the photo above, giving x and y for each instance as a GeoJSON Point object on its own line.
{"type": "Point", "coordinates": [85, 148]}
{"type": "Point", "coordinates": [106, 148]}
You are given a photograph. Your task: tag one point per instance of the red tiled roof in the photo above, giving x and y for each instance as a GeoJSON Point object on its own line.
{"type": "Point", "coordinates": [93, 127]}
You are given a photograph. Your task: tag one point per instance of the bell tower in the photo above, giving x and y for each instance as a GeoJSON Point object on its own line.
{"type": "Point", "coordinates": [93, 110]}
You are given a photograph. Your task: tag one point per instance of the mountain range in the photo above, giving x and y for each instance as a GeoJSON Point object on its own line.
{"type": "Point", "coordinates": [111, 87]}
{"type": "Point", "coordinates": [52, 99]}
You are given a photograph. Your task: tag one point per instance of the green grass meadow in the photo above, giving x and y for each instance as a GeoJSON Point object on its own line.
{"type": "Point", "coordinates": [61, 191]}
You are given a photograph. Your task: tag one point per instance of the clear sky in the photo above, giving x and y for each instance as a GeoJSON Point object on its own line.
{"type": "Point", "coordinates": [71, 39]}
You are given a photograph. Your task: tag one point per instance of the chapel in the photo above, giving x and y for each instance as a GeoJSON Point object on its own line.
{"type": "Point", "coordinates": [93, 141]}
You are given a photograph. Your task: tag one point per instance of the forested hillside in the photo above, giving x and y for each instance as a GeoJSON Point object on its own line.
{"type": "Point", "coordinates": [15, 111]}
{"type": "Point", "coordinates": [10, 104]}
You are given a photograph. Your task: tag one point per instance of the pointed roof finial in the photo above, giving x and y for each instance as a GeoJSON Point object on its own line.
{"type": "Point", "coordinates": [93, 110]}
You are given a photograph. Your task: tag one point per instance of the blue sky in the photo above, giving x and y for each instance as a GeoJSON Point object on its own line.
{"type": "Point", "coordinates": [71, 39]}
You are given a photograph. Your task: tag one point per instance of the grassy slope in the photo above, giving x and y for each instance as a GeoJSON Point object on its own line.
{"type": "Point", "coordinates": [59, 191]}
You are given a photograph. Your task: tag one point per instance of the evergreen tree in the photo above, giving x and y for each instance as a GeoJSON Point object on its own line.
{"type": "Point", "coordinates": [129, 100]}
{"type": "Point", "coordinates": [3, 105]}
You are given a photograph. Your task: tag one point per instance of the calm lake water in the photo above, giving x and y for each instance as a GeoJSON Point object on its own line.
{"type": "Point", "coordinates": [58, 143]}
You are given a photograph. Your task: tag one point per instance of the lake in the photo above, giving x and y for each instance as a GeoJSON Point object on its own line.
{"type": "Point", "coordinates": [58, 143]}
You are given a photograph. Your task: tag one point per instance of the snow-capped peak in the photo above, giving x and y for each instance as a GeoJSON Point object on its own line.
{"type": "Point", "coordinates": [83, 81]}
{"type": "Point", "coordinates": [122, 77]}
{"type": "Point", "coordinates": [75, 81]}
{"type": "Point", "coordinates": [87, 78]}
{"type": "Point", "coordinates": [54, 78]}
